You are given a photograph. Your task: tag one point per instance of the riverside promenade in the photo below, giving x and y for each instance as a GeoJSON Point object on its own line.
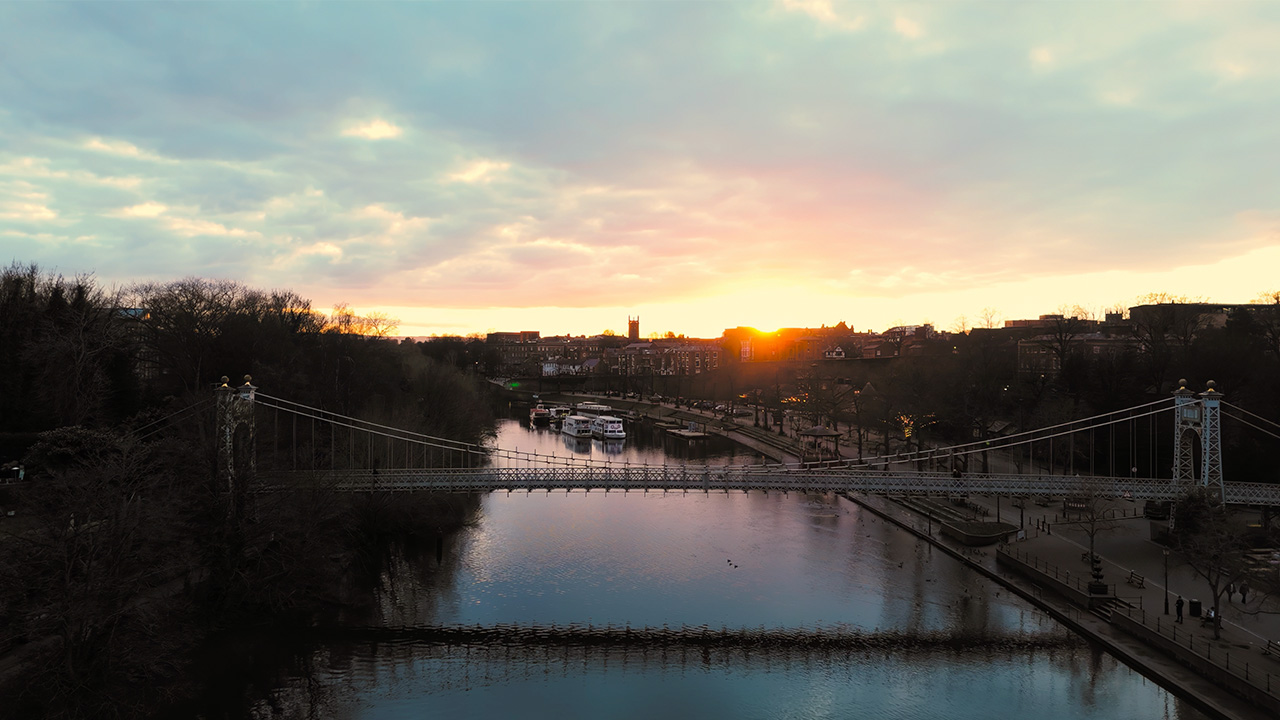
{"type": "Point", "coordinates": [1047, 569]}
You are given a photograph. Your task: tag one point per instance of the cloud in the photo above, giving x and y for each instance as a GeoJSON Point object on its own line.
{"type": "Point", "coordinates": [637, 151]}
{"type": "Point", "coordinates": [907, 28]}
{"type": "Point", "coordinates": [479, 171]}
{"type": "Point", "coordinates": [142, 210]}
{"type": "Point", "coordinates": [376, 129]}
{"type": "Point", "coordinates": [823, 11]}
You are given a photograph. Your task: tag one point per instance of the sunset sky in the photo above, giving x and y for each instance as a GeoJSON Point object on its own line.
{"type": "Point", "coordinates": [559, 166]}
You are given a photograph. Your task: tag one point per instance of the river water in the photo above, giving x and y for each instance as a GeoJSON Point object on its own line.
{"type": "Point", "coordinates": [553, 571]}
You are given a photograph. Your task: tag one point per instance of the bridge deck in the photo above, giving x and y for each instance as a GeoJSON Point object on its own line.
{"type": "Point", "coordinates": [727, 478]}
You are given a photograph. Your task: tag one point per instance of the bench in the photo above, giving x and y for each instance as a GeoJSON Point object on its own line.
{"type": "Point", "coordinates": [1136, 580]}
{"type": "Point", "coordinates": [1271, 648]}
{"type": "Point", "coordinates": [1084, 556]}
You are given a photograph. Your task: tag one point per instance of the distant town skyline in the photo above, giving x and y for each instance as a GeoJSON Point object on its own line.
{"type": "Point", "coordinates": [467, 167]}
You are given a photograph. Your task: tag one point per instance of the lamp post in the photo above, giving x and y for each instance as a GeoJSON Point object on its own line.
{"type": "Point", "coordinates": [1166, 581]}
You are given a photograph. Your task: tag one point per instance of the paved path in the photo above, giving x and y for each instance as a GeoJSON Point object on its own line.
{"type": "Point", "coordinates": [1125, 545]}
{"type": "Point", "coordinates": [1062, 547]}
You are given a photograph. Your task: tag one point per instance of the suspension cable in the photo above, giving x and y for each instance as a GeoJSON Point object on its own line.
{"type": "Point", "coordinates": [1255, 427]}
{"type": "Point", "coordinates": [1251, 414]}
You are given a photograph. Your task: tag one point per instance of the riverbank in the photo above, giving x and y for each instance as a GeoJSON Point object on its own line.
{"type": "Point", "coordinates": [776, 447]}
{"type": "Point", "coordinates": [1165, 669]}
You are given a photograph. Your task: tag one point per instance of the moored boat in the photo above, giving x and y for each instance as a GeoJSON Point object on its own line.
{"type": "Point", "coordinates": [539, 415]}
{"type": "Point", "coordinates": [606, 427]}
{"type": "Point", "coordinates": [592, 409]}
{"type": "Point", "coordinates": [578, 426]}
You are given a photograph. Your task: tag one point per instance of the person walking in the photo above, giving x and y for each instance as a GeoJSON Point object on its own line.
{"type": "Point", "coordinates": [1178, 605]}
{"type": "Point", "coordinates": [1244, 592]}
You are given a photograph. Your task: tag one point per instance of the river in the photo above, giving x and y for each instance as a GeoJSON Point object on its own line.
{"type": "Point", "coordinates": [864, 620]}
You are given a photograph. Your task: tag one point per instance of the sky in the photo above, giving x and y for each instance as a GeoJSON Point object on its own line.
{"type": "Point", "coordinates": [562, 166]}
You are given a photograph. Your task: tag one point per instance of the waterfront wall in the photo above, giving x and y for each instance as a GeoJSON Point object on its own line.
{"type": "Point", "coordinates": [1236, 673]}
{"type": "Point", "coordinates": [1072, 588]}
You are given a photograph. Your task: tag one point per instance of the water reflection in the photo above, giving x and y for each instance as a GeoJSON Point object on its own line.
{"type": "Point", "coordinates": [404, 681]}
{"type": "Point", "coordinates": [744, 561]}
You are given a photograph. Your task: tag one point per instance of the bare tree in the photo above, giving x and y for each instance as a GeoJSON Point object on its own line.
{"type": "Point", "coordinates": [1165, 327]}
{"type": "Point", "coordinates": [1267, 316]}
{"type": "Point", "coordinates": [1063, 330]}
{"type": "Point", "coordinates": [1095, 512]}
{"type": "Point", "coordinates": [1213, 543]}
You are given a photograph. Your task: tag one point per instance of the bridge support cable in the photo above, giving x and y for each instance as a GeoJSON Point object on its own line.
{"type": "Point", "coordinates": [150, 429]}
{"type": "Point", "coordinates": [1275, 434]}
{"type": "Point", "coordinates": [1240, 419]}
{"type": "Point", "coordinates": [1012, 442]}
{"type": "Point", "coordinates": [1018, 440]}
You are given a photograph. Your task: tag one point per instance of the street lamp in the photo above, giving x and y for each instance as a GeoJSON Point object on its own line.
{"type": "Point", "coordinates": [1166, 581]}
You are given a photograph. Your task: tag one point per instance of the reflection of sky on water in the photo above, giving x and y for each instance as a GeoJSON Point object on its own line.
{"type": "Point", "coordinates": [736, 560]}
{"type": "Point", "coordinates": [740, 560]}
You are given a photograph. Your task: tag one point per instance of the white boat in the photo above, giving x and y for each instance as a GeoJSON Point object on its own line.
{"type": "Point", "coordinates": [578, 426]}
{"type": "Point", "coordinates": [607, 428]}
{"type": "Point", "coordinates": [539, 415]}
{"type": "Point", "coordinates": [560, 412]}
{"type": "Point", "coordinates": [593, 409]}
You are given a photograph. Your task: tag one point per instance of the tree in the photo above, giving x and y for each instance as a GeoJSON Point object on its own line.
{"type": "Point", "coordinates": [1096, 513]}
{"type": "Point", "coordinates": [1060, 336]}
{"type": "Point", "coordinates": [1165, 327]}
{"type": "Point", "coordinates": [1267, 316]}
{"type": "Point", "coordinates": [989, 318]}
{"type": "Point", "coordinates": [1212, 542]}
{"type": "Point", "coordinates": [109, 530]}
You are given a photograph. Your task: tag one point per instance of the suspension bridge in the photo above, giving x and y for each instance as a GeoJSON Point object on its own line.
{"type": "Point", "coordinates": [268, 443]}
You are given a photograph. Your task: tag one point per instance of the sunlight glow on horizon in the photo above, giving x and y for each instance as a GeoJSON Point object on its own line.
{"type": "Point", "coordinates": [1230, 280]}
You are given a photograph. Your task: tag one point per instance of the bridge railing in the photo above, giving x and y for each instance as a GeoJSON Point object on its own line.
{"type": "Point", "coordinates": [730, 478]}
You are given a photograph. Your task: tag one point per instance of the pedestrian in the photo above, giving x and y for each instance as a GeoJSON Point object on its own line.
{"type": "Point", "coordinates": [1244, 592]}
{"type": "Point", "coordinates": [1178, 605]}
{"type": "Point", "coordinates": [1231, 590]}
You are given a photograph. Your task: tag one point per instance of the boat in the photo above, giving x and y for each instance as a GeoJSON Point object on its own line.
{"type": "Point", "coordinates": [593, 409]}
{"type": "Point", "coordinates": [559, 413]}
{"type": "Point", "coordinates": [578, 426]}
{"type": "Point", "coordinates": [539, 415]}
{"type": "Point", "coordinates": [606, 427]}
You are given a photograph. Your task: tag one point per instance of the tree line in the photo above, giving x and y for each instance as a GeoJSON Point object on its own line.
{"type": "Point", "coordinates": [967, 387]}
{"type": "Point", "coordinates": [123, 549]}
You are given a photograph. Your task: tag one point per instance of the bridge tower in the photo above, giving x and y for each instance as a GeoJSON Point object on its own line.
{"type": "Point", "coordinates": [1211, 439]}
{"type": "Point", "coordinates": [1187, 420]}
{"type": "Point", "coordinates": [236, 438]}
{"type": "Point", "coordinates": [1201, 417]}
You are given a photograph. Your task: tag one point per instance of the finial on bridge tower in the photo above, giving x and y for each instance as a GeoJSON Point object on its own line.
{"type": "Point", "coordinates": [246, 390]}
{"type": "Point", "coordinates": [225, 380]}
{"type": "Point", "coordinates": [1209, 387]}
